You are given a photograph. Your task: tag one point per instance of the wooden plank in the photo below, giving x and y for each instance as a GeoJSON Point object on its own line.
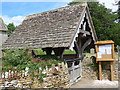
{"type": "Point", "coordinates": [112, 71]}
{"type": "Point", "coordinates": [113, 54]}
{"type": "Point", "coordinates": [73, 76]}
{"type": "Point", "coordinates": [79, 43]}
{"type": "Point", "coordinates": [84, 32]}
{"type": "Point", "coordinates": [105, 59]}
{"type": "Point", "coordinates": [78, 51]}
{"type": "Point", "coordinates": [96, 47]}
{"type": "Point", "coordinates": [100, 71]}
{"type": "Point", "coordinates": [104, 42]}
{"type": "Point", "coordinates": [80, 68]}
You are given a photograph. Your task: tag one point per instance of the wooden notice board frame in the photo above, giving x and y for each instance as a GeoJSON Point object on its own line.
{"type": "Point", "coordinates": [105, 56]}
{"type": "Point", "coordinates": [105, 52]}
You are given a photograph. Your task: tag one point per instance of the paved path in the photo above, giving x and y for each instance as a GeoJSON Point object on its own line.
{"type": "Point", "coordinates": [84, 83]}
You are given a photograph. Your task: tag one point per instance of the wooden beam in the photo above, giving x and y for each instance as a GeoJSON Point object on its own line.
{"type": "Point", "coordinates": [79, 54]}
{"type": "Point", "coordinates": [77, 47]}
{"type": "Point", "coordinates": [112, 71]}
{"type": "Point", "coordinates": [84, 32]}
{"type": "Point", "coordinates": [47, 50]}
{"type": "Point", "coordinates": [80, 45]}
{"type": "Point", "coordinates": [59, 52]}
{"type": "Point", "coordinates": [86, 44]}
{"type": "Point", "coordinates": [100, 71]}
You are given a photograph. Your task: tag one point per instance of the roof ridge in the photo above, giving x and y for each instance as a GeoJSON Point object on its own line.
{"type": "Point", "coordinates": [39, 14]}
{"type": "Point", "coordinates": [2, 24]}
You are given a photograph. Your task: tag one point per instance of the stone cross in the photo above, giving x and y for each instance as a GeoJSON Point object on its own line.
{"type": "Point", "coordinates": [92, 51]}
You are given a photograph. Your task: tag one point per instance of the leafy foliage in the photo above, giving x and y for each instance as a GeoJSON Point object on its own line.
{"type": "Point", "coordinates": [22, 59]}
{"type": "Point", "coordinates": [118, 11]}
{"type": "Point", "coordinates": [43, 61]}
{"type": "Point", "coordinates": [16, 57]}
{"type": "Point", "coordinates": [11, 27]}
{"type": "Point", "coordinates": [104, 22]}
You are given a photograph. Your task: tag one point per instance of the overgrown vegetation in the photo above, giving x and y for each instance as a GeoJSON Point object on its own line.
{"type": "Point", "coordinates": [104, 21]}
{"type": "Point", "coordinates": [22, 59]}
{"type": "Point", "coordinates": [93, 64]}
{"type": "Point", "coordinates": [18, 60]}
{"type": "Point", "coordinates": [14, 58]}
{"type": "Point", "coordinates": [11, 27]}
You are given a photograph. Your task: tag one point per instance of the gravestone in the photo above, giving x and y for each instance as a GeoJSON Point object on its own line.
{"type": "Point", "coordinates": [118, 49]}
{"type": "Point", "coordinates": [92, 51]}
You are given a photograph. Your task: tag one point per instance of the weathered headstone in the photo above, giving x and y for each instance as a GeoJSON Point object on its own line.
{"type": "Point", "coordinates": [92, 51]}
{"type": "Point", "coordinates": [118, 49]}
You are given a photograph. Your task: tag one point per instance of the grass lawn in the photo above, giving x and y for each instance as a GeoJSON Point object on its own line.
{"type": "Point", "coordinates": [40, 52]}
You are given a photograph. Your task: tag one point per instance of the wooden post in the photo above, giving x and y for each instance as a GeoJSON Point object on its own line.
{"type": "Point", "coordinates": [59, 52]}
{"type": "Point", "coordinates": [100, 71]}
{"type": "Point", "coordinates": [78, 50]}
{"type": "Point", "coordinates": [79, 43]}
{"type": "Point", "coordinates": [48, 51]}
{"type": "Point", "coordinates": [112, 71]}
{"type": "Point", "coordinates": [113, 55]}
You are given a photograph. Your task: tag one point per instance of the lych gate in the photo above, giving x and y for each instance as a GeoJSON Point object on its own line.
{"type": "Point", "coordinates": [69, 27]}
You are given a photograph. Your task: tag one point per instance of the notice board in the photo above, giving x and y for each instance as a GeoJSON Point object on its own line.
{"type": "Point", "coordinates": [105, 51]}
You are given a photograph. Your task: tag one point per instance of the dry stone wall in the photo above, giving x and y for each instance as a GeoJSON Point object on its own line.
{"type": "Point", "coordinates": [56, 77]}
{"type": "Point", "coordinates": [90, 70]}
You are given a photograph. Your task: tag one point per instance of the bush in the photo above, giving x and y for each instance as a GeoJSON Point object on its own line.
{"type": "Point", "coordinates": [16, 57]}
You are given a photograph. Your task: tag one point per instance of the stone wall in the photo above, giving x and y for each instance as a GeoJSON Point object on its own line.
{"type": "Point", "coordinates": [56, 77]}
{"type": "Point", "coordinates": [90, 71]}
{"type": "Point", "coordinates": [3, 38]}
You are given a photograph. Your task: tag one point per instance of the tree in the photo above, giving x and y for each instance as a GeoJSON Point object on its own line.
{"type": "Point", "coordinates": [104, 22]}
{"type": "Point", "coordinates": [118, 11]}
{"type": "Point", "coordinates": [11, 27]}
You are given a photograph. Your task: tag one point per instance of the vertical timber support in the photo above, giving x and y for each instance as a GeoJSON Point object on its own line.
{"type": "Point", "coordinates": [47, 50]}
{"type": "Point", "coordinates": [77, 49]}
{"type": "Point", "coordinates": [59, 52]}
{"type": "Point", "coordinates": [78, 45]}
{"type": "Point", "coordinates": [100, 71]}
{"type": "Point", "coordinates": [112, 71]}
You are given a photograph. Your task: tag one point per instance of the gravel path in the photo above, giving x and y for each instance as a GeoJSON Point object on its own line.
{"type": "Point", "coordinates": [84, 83]}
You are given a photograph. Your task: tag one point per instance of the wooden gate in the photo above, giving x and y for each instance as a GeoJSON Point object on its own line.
{"type": "Point", "coordinates": [75, 69]}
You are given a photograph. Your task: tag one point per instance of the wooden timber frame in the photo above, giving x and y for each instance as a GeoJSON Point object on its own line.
{"type": "Point", "coordinates": [110, 60]}
{"type": "Point", "coordinates": [75, 65]}
{"type": "Point", "coordinates": [82, 41]}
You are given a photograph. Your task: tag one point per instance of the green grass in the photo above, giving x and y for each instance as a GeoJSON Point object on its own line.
{"type": "Point", "coordinates": [39, 52]}
{"type": "Point", "coordinates": [69, 52]}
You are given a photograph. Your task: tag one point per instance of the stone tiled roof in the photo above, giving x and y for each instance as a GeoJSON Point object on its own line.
{"type": "Point", "coordinates": [54, 28]}
{"type": "Point", "coordinates": [3, 27]}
